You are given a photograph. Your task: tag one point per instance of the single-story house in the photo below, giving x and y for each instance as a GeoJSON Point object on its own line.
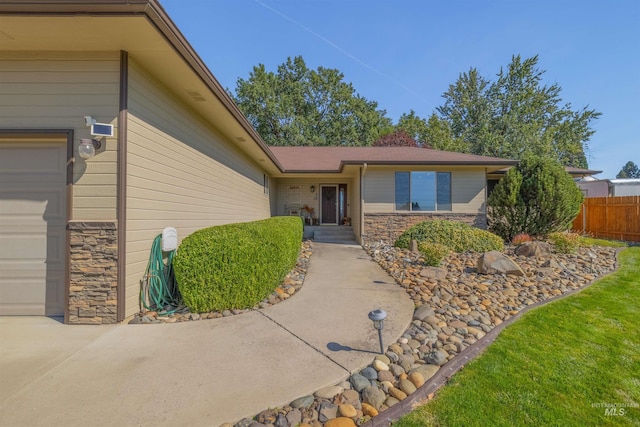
{"type": "Point", "coordinates": [112, 128]}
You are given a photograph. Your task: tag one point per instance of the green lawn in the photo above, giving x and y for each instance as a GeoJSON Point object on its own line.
{"type": "Point", "coordinates": [555, 365]}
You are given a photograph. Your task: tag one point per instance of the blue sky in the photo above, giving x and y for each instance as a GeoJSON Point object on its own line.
{"type": "Point", "coordinates": [403, 54]}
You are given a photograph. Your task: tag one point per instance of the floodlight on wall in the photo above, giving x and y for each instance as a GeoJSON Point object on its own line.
{"type": "Point", "coordinates": [87, 148]}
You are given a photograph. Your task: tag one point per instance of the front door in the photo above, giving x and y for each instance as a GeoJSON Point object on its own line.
{"type": "Point", "coordinates": [329, 211]}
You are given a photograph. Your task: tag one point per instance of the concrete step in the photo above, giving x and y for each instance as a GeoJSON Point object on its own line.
{"type": "Point", "coordinates": [328, 234]}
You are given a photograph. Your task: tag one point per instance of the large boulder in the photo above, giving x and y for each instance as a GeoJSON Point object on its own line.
{"type": "Point", "coordinates": [534, 249]}
{"type": "Point", "coordinates": [494, 262]}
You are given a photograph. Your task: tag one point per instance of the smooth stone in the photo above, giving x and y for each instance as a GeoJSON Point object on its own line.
{"type": "Point", "coordinates": [422, 312]}
{"type": "Point", "coordinates": [427, 371]}
{"type": "Point", "coordinates": [329, 392]}
{"type": "Point", "coordinates": [383, 359]}
{"type": "Point", "coordinates": [391, 401]}
{"type": "Point", "coordinates": [417, 379]}
{"type": "Point", "coordinates": [352, 397]}
{"type": "Point", "coordinates": [380, 366]}
{"type": "Point", "coordinates": [327, 411]}
{"type": "Point", "coordinates": [395, 347]}
{"type": "Point", "coordinates": [396, 370]}
{"type": "Point", "coordinates": [386, 376]}
{"type": "Point", "coordinates": [302, 402]}
{"type": "Point", "coordinates": [407, 386]}
{"type": "Point", "coordinates": [359, 382]}
{"type": "Point", "coordinates": [369, 373]}
{"type": "Point", "coordinates": [397, 393]}
{"type": "Point", "coordinates": [369, 410]}
{"type": "Point", "coordinates": [294, 417]}
{"type": "Point", "coordinates": [347, 410]}
{"type": "Point", "coordinates": [281, 421]}
{"type": "Point", "coordinates": [340, 422]}
{"type": "Point", "coordinates": [373, 396]}
{"type": "Point", "coordinates": [437, 357]}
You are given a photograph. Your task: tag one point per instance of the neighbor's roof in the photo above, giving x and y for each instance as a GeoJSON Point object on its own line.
{"type": "Point", "coordinates": [579, 171]}
{"type": "Point", "coordinates": [333, 159]}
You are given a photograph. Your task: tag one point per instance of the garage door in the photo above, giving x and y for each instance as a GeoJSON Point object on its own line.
{"type": "Point", "coordinates": [32, 227]}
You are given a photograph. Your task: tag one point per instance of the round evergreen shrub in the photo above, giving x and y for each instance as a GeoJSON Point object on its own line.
{"type": "Point", "coordinates": [536, 197]}
{"type": "Point", "coordinates": [458, 236]}
{"type": "Point", "coordinates": [236, 265]}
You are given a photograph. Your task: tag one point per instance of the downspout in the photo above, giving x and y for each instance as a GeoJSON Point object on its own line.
{"type": "Point", "coordinates": [363, 172]}
{"type": "Point", "coordinates": [121, 207]}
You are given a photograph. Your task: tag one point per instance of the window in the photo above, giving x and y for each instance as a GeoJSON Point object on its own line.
{"type": "Point", "coordinates": [423, 191]}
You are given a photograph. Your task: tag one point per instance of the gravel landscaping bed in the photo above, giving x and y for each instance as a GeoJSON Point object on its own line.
{"type": "Point", "coordinates": [455, 307]}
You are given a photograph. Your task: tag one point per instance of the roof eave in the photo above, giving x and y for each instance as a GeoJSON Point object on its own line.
{"type": "Point", "coordinates": [158, 16]}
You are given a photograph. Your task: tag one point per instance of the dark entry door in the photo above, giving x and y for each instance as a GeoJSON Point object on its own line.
{"type": "Point", "coordinates": [329, 204]}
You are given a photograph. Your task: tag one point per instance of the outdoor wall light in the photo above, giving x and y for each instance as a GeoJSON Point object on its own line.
{"type": "Point", "coordinates": [313, 188]}
{"type": "Point", "coordinates": [87, 148]}
{"type": "Point", "coordinates": [378, 316]}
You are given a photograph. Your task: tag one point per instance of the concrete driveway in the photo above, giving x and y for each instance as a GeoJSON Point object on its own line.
{"type": "Point", "coordinates": [201, 373]}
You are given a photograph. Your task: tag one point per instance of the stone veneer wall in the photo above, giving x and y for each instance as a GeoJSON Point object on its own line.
{"type": "Point", "coordinates": [389, 226]}
{"type": "Point", "coordinates": [93, 273]}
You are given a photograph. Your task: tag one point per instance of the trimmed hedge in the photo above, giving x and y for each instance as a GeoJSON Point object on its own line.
{"type": "Point", "coordinates": [236, 266]}
{"type": "Point", "coordinates": [458, 236]}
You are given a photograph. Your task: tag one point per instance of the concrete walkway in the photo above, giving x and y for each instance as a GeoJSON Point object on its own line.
{"type": "Point", "coordinates": [201, 373]}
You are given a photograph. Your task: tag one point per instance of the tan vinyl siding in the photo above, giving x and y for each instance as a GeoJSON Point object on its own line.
{"type": "Point", "coordinates": [55, 91]}
{"type": "Point", "coordinates": [467, 189]}
{"type": "Point", "coordinates": [180, 173]}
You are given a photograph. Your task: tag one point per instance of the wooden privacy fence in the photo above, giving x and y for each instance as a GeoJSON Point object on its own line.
{"type": "Point", "coordinates": [615, 218]}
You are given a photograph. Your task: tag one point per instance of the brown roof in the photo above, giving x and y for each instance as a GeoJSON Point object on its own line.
{"type": "Point", "coordinates": [333, 159]}
{"type": "Point", "coordinates": [569, 169]}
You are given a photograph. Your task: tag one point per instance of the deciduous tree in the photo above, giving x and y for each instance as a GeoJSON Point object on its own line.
{"type": "Point", "coordinates": [300, 106]}
{"type": "Point", "coordinates": [514, 116]}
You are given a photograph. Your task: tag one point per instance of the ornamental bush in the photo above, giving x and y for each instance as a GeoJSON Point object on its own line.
{"type": "Point", "coordinates": [433, 253]}
{"type": "Point", "coordinates": [458, 236]}
{"type": "Point", "coordinates": [536, 197]}
{"type": "Point", "coordinates": [565, 243]}
{"type": "Point", "coordinates": [235, 266]}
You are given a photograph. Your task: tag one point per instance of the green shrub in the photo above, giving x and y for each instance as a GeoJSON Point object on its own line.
{"type": "Point", "coordinates": [536, 197]}
{"type": "Point", "coordinates": [236, 265]}
{"type": "Point", "coordinates": [433, 253]}
{"type": "Point", "coordinates": [459, 237]}
{"type": "Point", "coordinates": [565, 243]}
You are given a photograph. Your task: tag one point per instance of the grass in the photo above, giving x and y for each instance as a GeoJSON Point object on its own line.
{"type": "Point", "coordinates": [554, 365]}
{"type": "Point", "coordinates": [591, 241]}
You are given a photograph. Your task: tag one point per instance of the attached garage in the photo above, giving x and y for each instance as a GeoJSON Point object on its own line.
{"type": "Point", "coordinates": [33, 215]}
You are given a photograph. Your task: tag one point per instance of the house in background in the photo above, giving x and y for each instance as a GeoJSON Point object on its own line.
{"type": "Point", "coordinates": [381, 191]}
{"type": "Point", "coordinates": [76, 233]}
{"type": "Point", "coordinates": [592, 187]}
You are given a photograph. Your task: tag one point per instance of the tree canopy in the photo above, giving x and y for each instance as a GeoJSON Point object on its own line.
{"type": "Point", "coordinates": [398, 138]}
{"type": "Point", "coordinates": [300, 106]}
{"type": "Point", "coordinates": [512, 117]}
{"type": "Point", "coordinates": [629, 170]}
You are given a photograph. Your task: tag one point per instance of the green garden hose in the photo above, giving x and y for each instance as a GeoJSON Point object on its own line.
{"type": "Point", "coordinates": [158, 288]}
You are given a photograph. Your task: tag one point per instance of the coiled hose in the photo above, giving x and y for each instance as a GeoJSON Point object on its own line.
{"type": "Point", "coordinates": [158, 287]}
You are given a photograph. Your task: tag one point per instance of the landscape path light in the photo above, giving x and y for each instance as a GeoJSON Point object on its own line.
{"type": "Point", "coordinates": [378, 316]}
